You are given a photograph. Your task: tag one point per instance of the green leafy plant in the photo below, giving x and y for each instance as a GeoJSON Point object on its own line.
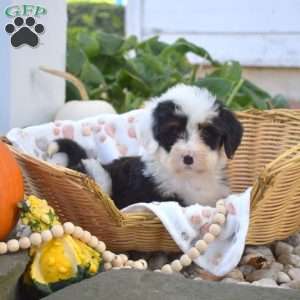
{"type": "Point", "coordinates": [126, 72]}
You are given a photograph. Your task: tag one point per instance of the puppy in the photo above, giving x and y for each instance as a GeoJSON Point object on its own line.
{"type": "Point", "coordinates": [187, 136]}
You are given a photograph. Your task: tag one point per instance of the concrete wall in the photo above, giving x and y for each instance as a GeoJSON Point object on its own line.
{"type": "Point", "coordinates": [29, 96]}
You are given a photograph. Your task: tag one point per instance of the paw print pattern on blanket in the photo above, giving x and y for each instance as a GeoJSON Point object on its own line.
{"type": "Point", "coordinates": [105, 136]}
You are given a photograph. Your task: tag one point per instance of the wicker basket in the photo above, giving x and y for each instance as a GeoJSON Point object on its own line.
{"type": "Point", "coordinates": [269, 159]}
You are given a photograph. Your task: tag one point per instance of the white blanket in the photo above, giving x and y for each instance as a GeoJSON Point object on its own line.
{"type": "Point", "coordinates": [107, 137]}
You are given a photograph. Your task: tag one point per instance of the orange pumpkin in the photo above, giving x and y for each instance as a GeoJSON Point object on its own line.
{"type": "Point", "coordinates": [11, 190]}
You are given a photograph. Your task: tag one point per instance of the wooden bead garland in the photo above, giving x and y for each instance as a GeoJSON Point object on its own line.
{"type": "Point", "coordinates": [112, 260]}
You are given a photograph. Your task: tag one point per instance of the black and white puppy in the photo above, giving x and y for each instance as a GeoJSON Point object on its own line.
{"type": "Point", "coordinates": [188, 136]}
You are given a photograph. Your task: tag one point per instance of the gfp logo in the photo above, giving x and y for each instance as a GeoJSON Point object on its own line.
{"type": "Point", "coordinates": [24, 30]}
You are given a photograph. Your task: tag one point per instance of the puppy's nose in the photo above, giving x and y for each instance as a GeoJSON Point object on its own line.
{"type": "Point", "coordinates": [188, 160]}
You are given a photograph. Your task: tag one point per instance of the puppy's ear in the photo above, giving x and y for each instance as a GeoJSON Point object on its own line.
{"type": "Point", "coordinates": [232, 131]}
{"type": "Point", "coordinates": [144, 131]}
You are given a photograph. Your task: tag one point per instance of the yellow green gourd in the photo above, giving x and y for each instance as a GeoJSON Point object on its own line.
{"type": "Point", "coordinates": [58, 262]}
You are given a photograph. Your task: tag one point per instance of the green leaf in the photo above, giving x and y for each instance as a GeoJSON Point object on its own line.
{"type": "Point", "coordinates": [151, 46]}
{"type": "Point", "coordinates": [129, 44]}
{"type": "Point", "coordinates": [110, 44]}
{"type": "Point", "coordinates": [133, 82]}
{"type": "Point", "coordinates": [183, 47]}
{"type": "Point", "coordinates": [88, 43]}
{"type": "Point", "coordinates": [230, 70]}
{"type": "Point", "coordinates": [90, 74]}
{"type": "Point", "coordinates": [75, 60]}
{"type": "Point", "coordinates": [220, 87]}
{"type": "Point", "coordinates": [257, 101]}
{"type": "Point", "coordinates": [279, 101]}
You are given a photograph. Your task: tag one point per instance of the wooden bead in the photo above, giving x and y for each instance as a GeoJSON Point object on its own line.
{"type": "Point", "coordinates": [221, 209]}
{"type": "Point", "coordinates": [130, 263]}
{"type": "Point", "coordinates": [69, 228]}
{"type": "Point", "coordinates": [214, 229]}
{"type": "Point", "coordinates": [167, 269]}
{"type": "Point", "coordinates": [201, 246]}
{"type": "Point", "coordinates": [36, 239]}
{"type": "Point", "coordinates": [24, 242]}
{"type": "Point", "coordinates": [101, 247]}
{"type": "Point", "coordinates": [46, 235]}
{"type": "Point", "coordinates": [107, 266]}
{"type": "Point", "coordinates": [208, 238]}
{"type": "Point", "coordinates": [57, 231]}
{"type": "Point", "coordinates": [3, 248]}
{"type": "Point", "coordinates": [144, 263]}
{"type": "Point", "coordinates": [13, 245]}
{"type": "Point", "coordinates": [86, 237]}
{"type": "Point", "coordinates": [219, 218]}
{"type": "Point", "coordinates": [108, 256]}
{"type": "Point", "coordinates": [93, 241]}
{"type": "Point", "coordinates": [176, 265]}
{"type": "Point", "coordinates": [138, 265]}
{"type": "Point", "coordinates": [124, 258]}
{"type": "Point", "coordinates": [185, 260]}
{"type": "Point", "coordinates": [78, 232]}
{"type": "Point", "coordinates": [193, 253]}
{"type": "Point", "coordinates": [117, 261]}
{"type": "Point", "coordinates": [127, 267]}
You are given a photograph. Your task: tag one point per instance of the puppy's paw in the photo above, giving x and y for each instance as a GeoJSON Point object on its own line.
{"type": "Point", "coordinates": [52, 149]}
{"type": "Point", "coordinates": [98, 173]}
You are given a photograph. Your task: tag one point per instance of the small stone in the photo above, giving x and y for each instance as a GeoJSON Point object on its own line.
{"type": "Point", "coordinates": [294, 273]}
{"type": "Point", "coordinates": [262, 274]}
{"type": "Point", "coordinates": [297, 250]}
{"type": "Point", "coordinates": [157, 260]}
{"type": "Point", "coordinates": [246, 269]}
{"type": "Point", "coordinates": [236, 274]}
{"type": "Point", "coordinates": [285, 286]}
{"type": "Point", "coordinates": [262, 251]}
{"type": "Point", "coordinates": [289, 258]}
{"type": "Point", "coordinates": [283, 277]}
{"type": "Point", "coordinates": [283, 248]}
{"type": "Point", "coordinates": [229, 280]}
{"type": "Point", "coordinates": [276, 266]}
{"type": "Point", "coordinates": [295, 284]}
{"type": "Point", "coordinates": [294, 240]}
{"type": "Point", "coordinates": [287, 268]}
{"type": "Point", "coordinates": [266, 282]}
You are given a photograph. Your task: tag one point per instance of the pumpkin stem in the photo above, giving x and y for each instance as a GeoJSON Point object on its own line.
{"type": "Point", "coordinates": [71, 78]}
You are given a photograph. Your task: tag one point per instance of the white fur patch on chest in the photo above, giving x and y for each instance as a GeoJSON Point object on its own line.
{"type": "Point", "coordinates": [204, 189]}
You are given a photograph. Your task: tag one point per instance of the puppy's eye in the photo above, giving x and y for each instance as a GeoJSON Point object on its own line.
{"type": "Point", "coordinates": [211, 136]}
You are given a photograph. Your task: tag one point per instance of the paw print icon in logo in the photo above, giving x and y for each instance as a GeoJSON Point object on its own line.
{"type": "Point", "coordinates": [24, 33]}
